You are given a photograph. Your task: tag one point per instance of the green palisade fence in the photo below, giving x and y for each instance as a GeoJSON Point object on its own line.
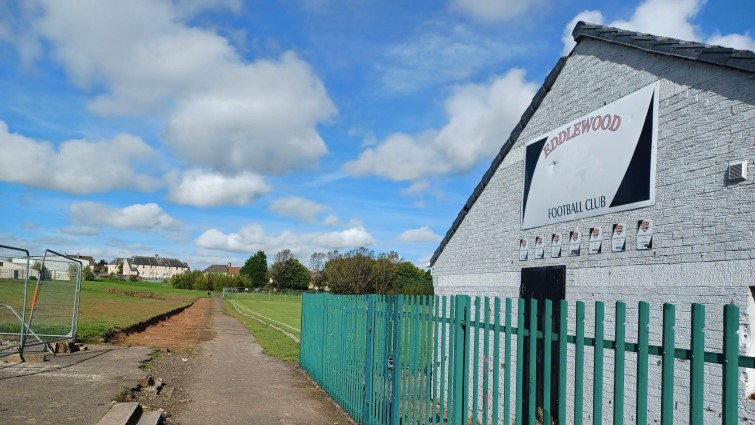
{"type": "Point", "coordinates": [451, 360]}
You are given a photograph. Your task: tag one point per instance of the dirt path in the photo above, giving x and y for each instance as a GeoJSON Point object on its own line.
{"type": "Point", "coordinates": [219, 374]}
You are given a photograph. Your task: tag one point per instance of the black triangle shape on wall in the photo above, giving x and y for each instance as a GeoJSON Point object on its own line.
{"type": "Point", "coordinates": [635, 187]}
{"type": "Point", "coordinates": [531, 156]}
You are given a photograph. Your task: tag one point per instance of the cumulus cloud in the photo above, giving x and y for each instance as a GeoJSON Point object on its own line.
{"type": "Point", "coordinates": [253, 237]}
{"type": "Point", "coordinates": [490, 11]}
{"type": "Point", "coordinates": [95, 215]}
{"type": "Point", "coordinates": [423, 234]}
{"type": "Point", "coordinates": [480, 118]}
{"type": "Point", "coordinates": [75, 166]}
{"type": "Point", "coordinates": [300, 208]}
{"type": "Point", "coordinates": [209, 189]}
{"type": "Point", "coordinates": [668, 18]}
{"type": "Point", "coordinates": [222, 112]}
{"type": "Point", "coordinates": [591, 16]}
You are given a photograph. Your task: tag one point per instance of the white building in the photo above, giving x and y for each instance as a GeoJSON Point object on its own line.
{"type": "Point", "coordinates": [628, 128]}
{"type": "Point", "coordinates": [147, 268]}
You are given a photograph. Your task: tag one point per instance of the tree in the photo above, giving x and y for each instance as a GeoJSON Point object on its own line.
{"type": "Point", "coordinates": [100, 267]}
{"type": "Point", "coordinates": [317, 268]}
{"type": "Point", "coordinates": [256, 269]}
{"type": "Point", "coordinates": [73, 272]}
{"type": "Point", "coordinates": [412, 280]}
{"type": "Point", "coordinates": [384, 272]}
{"type": "Point", "coordinates": [288, 273]}
{"type": "Point", "coordinates": [120, 268]}
{"type": "Point", "coordinates": [352, 272]}
{"type": "Point", "coordinates": [87, 273]}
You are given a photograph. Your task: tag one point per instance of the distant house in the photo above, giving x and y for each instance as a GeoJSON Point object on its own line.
{"type": "Point", "coordinates": [149, 268]}
{"type": "Point", "coordinates": [85, 260]}
{"type": "Point", "coordinates": [112, 267]}
{"type": "Point", "coordinates": [223, 269]}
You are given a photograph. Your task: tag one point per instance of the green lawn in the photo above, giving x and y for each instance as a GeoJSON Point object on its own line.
{"type": "Point", "coordinates": [273, 308]}
{"type": "Point", "coordinates": [270, 308]}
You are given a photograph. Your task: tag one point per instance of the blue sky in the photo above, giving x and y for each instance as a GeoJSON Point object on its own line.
{"type": "Point", "coordinates": [206, 130]}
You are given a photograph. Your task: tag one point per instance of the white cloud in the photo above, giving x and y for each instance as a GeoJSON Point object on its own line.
{"type": "Point", "coordinates": [222, 112]}
{"type": "Point", "coordinates": [95, 215]}
{"type": "Point", "coordinates": [423, 234]}
{"type": "Point", "coordinates": [76, 166]}
{"type": "Point", "coordinates": [253, 237]}
{"type": "Point", "coordinates": [330, 220]}
{"type": "Point", "coordinates": [262, 118]}
{"type": "Point", "coordinates": [490, 11]}
{"type": "Point", "coordinates": [439, 56]}
{"type": "Point", "coordinates": [416, 187]}
{"type": "Point", "coordinates": [209, 189]}
{"type": "Point", "coordinates": [590, 16]}
{"type": "Point", "coordinates": [667, 18]}
{"type": "Point", "coordinates": [480, 118]}
{"type": "Point", "coordinates": [303, 209]}
{"type": "Point", "coordinates": [736, 41]}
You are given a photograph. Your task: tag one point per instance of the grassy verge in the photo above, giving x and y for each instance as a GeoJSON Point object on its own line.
{"type": "Point", "coordinates": [273, 342]}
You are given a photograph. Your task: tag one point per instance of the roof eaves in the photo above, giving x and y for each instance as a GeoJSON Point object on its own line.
{"type": "Point", "coordinates": [515, 133]}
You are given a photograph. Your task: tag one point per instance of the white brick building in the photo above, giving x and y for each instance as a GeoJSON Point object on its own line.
{"type": "Point", "coordinates": [703, 245]}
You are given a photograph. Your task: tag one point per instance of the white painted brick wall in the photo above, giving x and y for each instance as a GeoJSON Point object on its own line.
{"type": "Point", "coordinates": [704, 241]}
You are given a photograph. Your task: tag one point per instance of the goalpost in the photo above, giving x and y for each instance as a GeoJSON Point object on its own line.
{"type": "Point", "coordinates": [230, 292]}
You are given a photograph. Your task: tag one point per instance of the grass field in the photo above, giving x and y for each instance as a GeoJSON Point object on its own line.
{"type": "Point", "coordinates": [105, 305]}
{"type": "Point", "coordinates": [282, 311]}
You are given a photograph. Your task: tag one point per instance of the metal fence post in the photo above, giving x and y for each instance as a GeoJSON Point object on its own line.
{"type": "Point", "coordinates": [369, 341]}
{"type": "Point", "coordinates": [397, 349]}
{"type": "Point", "coordinates": [730, 366]}
{"type": "Point", "coordinates": [461, 360]}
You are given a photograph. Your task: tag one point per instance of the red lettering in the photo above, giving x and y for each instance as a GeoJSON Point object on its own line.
{"type": "Point", "coordinates": [616, 123]}
{"type": "Point", "coordinates": [546, 149]}
{"type": "Point", "coordinates": [605, 122]}
{"type": "Point", "coordinates": [554, 143]}
{"type": "Point", "coordinates": [576, 129]}
{"type": "Point", "coordinates": [596, 123]}
{"type": "Point", "coordinates": [586, 126]}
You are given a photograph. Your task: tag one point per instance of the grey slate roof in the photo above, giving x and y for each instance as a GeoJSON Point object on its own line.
{"type": "Point", "coordinates": [217, 268]}
{"type": "Point", "coordinates": [742, 60]}
{"type": "Point", "coordinates": [157, 262]}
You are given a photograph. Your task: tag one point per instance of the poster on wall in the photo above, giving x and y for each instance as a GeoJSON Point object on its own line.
{"type": "Point", "coordinates": [595, 243]}
{"type": "Point", "coordinates": [645, 234]}
{"type": "Point", "coordinates": [618, 237]}
{"type": "Point", "coordinates": [539, 247]}
{"type": "Point", "coordinates": [523, 250]}
{"type": "Point", "coordinates": [556, 245]}
{"type": "Point", "coordinates": [599, 163]}
{"type": "Point", "coordinates": [575, 243]}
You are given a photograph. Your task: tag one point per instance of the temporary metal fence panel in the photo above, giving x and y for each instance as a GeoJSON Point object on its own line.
{"type": "Point", "coordinates": [14, 279]}
{"type": "Point", "coordinates": [429, 360]}
{"type": "Point", "coordinates": [54, 309]}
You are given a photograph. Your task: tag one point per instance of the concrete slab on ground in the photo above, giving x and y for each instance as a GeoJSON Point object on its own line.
{"type": "Point", "coordinates": [75, 388]}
